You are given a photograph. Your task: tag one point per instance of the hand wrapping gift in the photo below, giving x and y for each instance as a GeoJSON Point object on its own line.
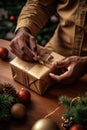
{"type": "Point", "coordinates": [35, 75]}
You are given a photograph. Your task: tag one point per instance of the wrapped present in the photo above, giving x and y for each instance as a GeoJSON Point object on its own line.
{"type": "Point", "coordinates": [35, 75]}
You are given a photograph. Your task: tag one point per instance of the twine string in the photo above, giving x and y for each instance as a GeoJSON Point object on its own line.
{"type": "Point", "coordinates": [77, 99]}
{"type": "Point", "coordinates": [52, 112]}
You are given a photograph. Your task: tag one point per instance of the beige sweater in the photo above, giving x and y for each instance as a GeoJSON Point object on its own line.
{"type": "Point", "coordinates": [70, 37]}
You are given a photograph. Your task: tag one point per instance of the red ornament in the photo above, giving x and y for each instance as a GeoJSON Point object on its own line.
{"type": "Point", "coordinates": [12, 18]}
{"type": "Point", "coordinates": [3, 52]}
{"type": "Point", "coordinates": [77, 127]}
{"type": "Point", "coordinates": [24, 96]}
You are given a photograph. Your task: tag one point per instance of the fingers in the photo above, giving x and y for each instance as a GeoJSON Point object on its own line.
{"type": "Point", "coordinates": [21, 49]}
{"type": "Point", "coordinates": [59, 77]}
{"type": "Point", "coordinates": [60, 64]}
{"type": "Point", "coordinates": [73, 70]}
{"type": "Point", "coordinates": [24, 46]}
{"type": "Point", "coordinates": [33, 46]}
{"type": "Point", "coordinates": [31, 53]}
{"type": "Point", "coordinates": [64, 78]}
{"type": "Point", "coordinates": [15, 50]}
{"type": "Point", "coordinates": [21, 55]}
{"type": "Point", "coordinates": [66, 61]}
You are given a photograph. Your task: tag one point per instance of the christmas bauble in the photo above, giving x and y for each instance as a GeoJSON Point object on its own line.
{"type": "Point", "coordinates": [54, 18]}
{"type": "Point", "coordinates": [3, 52]}
{"type": "Point", "coordinates": [12, 18]}
{"type": "Point", "coordinates": [45, 124]}
{"type": "Point", "coordinates": [77, 127]}
{"type": "Point", "coordinates": [24, 96]}
{"type": "Point", "coordinates": [18, 110]}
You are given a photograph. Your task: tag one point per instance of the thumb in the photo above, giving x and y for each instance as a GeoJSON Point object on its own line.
{"type": "Point", "coordinates": [63, 78]}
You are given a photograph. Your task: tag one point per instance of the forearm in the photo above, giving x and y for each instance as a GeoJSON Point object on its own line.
{"type": "Point", "coordinates": [35, 14]}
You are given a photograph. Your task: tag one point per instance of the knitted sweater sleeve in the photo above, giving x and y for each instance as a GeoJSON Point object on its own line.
{"type": "Point", "coordinates": [35, 14]}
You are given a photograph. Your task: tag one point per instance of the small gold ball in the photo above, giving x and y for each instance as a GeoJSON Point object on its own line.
{"type": "Point", "coordinates": [45, 124]}
{"type": "Point", "coordinates": [18, 110]}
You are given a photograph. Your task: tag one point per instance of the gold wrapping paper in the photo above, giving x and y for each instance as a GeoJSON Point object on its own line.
{"type": "Point", "coordinates": [34, 76]}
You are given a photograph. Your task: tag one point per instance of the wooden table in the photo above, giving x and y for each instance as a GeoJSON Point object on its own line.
{"type": "Point", "coordinates": [40, 106]}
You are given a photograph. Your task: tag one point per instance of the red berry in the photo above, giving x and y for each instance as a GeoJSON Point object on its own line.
{"type": "Point", "coordinates": [12, 18]}
{"type": "Point", "coordinates": [77, 127]}
{"type": "Point", "coordinates": [24, 96]}
{"type": "Point", "coordinates": [3, 52]}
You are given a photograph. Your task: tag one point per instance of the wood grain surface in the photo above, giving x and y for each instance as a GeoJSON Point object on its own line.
{"type": "Point", "coordinates": [40, 106]}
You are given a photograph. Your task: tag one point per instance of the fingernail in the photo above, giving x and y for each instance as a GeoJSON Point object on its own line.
{"type": "Point", "coordinates": [51, 74]}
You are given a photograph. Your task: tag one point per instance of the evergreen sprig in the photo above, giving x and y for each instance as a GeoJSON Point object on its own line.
{"type": "Point", "coordinates": [75, 108]}
{"type": "Point", "coordinates": [6, 102]}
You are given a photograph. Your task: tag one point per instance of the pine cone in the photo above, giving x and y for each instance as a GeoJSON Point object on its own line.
{"type": "Point", "coordinates": [8, 89]}
{"type": "Point", "coordinates": [67, 122]}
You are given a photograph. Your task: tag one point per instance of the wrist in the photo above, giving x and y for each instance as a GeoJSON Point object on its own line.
{"type": "Point", "coordinates": [22, 29]}
{"type": "Point", "coordinates": [85, 59]}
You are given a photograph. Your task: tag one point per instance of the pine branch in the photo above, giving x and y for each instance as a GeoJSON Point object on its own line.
{"type": "Point", "coordinates": [6, 102]}
{"type": "Point", "coordinates": [75, 108]}
{"type": "Point", "coordinates": [65, 100]}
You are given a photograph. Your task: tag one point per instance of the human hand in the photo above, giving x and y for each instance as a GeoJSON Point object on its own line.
{"type": "Point", "coordinates": [75, 67]}
{"type": "Point", "coordinates": [23, 45]}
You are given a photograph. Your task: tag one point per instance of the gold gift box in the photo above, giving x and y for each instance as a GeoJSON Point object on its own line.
{"type": "Point", "coordinates": [34, 76]}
